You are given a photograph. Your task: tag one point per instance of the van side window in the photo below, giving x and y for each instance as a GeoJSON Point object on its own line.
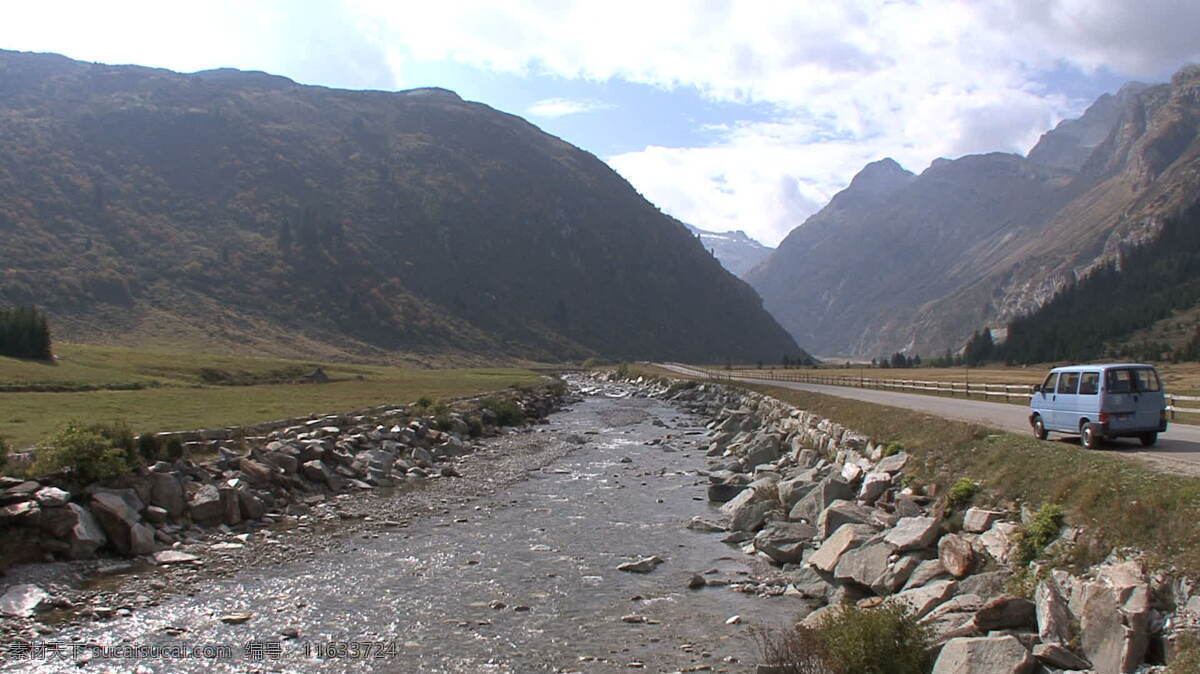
{"type": "Point", "coordinates": [1050, 383]}
{"type": "Point", "coordinates": [1067, 382]}
{"type": "Point", "coordinates": [1147, 380]}
{"type": "Point", "coordinates": [1089, 383]}
{"type": "Point", "coordinates": [1118, 381]}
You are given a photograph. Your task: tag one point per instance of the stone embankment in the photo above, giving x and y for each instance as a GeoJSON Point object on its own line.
{"type": "Point", "coordinates": [253, 482]}
{"type": "Point", "coordinates": [833, 510]}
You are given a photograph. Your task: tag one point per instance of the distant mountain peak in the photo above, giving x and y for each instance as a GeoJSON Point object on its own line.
{"type": "Point", "coordinates": [1069, 144]}
{"type": "Point", "coordinates": [880, 178]}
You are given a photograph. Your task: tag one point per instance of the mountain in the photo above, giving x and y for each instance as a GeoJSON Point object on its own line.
{"type": "Point", "coordinates": [736, 251]}
{"type": "Point", "coordinates": [916, 263]}
{"type": "Point", "coordinates": [242, 211]}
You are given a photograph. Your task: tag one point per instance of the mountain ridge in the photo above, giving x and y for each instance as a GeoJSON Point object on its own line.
{"type": "Point", "coordinates": [235, 210]}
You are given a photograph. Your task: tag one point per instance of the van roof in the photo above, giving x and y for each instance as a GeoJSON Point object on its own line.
{"type": "Point", "coordinates": [1098, 366]}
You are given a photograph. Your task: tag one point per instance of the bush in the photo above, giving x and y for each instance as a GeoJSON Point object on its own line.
{"type": "Point", "coordinates": [86, 452]}
{"type": "Point", "coordinates": [424, 402]}
{"type": "Point", "coordinates": [508, 412]}
{"type": "Point", "coordinates": [1032, 537]}
{"type": "Point", "coordinates": [623, 371]}
{"type": "Point", "coordinates": [892, 448]}
{"type": "Point", "coordinates": [882, 640]}
{"type": "Point", "coordinates": [174, 449]}
{"type": "Point", "coordinates": [149, 447]}
{"type": "Point", "coordinates": [793, 651]}
{"type": "Point", "coordinates": [963, 492]}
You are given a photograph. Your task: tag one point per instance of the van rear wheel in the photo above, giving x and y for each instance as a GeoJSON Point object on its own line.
{"type": "Point", "coordinates": [1148, 439]}
{"type": "Point", "coordinates": [1039, 428]}
{"type": "Point", "coordinates": [1087, 436]}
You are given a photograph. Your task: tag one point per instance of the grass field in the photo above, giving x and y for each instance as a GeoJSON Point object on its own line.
{"type": "Point", "coordinates": [1117, 502]}
{"type": "Point", "coordinates": [177, 397]}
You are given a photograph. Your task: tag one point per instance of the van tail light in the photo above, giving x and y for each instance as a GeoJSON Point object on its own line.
{"type": "Point", "coordinates": [1103, 418]}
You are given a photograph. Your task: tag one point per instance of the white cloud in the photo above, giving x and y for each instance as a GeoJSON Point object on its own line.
{"type": "Point", "coordinates": [559, 107]}
{"type": "Point", "coordinates": [853, 81]}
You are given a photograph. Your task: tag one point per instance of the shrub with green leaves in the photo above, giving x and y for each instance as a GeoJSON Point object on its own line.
{"type": "Point", "coordinates": [892, 448]}
{"type": "Point", "coordinates": [963, 492]}
{"type": "Point", "coordinates": [424, 402]}
{"type": "Point", "coordinates": [85, 452]}
{"type": "Point", "coordinates": [149, 447]}
{"type": "Point", "coordinates": [174, 449]}
{"type": "Point", "coordinates": [886, 639]}
{"type": "Point", "coordinates": [1031, 539]}
{"type": "Point", "coordinates": [507, 412]}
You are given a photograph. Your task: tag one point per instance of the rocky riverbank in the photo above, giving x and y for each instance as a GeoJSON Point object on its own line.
{"type": "Point", "coordinates": [834, 511]}
{"type": "Point", "coordinates": [264, 499]}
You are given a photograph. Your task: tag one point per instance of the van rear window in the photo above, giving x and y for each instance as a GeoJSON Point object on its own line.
{"type": "Point", "coordinates": [1130, 381]}
{"type": "Point", "coordinates": [1089, 384]}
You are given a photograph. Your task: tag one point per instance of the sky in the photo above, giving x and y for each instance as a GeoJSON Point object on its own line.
{"type": "Point", "coordinates": [728, 115]}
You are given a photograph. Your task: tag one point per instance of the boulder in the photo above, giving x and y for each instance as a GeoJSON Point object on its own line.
{"type": "Point", "coordinates": [77, 527]}
{"type": "Point", "coordinates": [984, 655]}
{"type": "Point", "coordinates": [166, 492]}
{"type": "Point", "coordinates": [896, 574]}
{"type": "Point", "coordinates": [821, 496]}
{"type": "Point", "coordinates": [257, 473]}
{"type": "Point", "coordinates": [123, 525]}
{"type": "Point", "coordinates": [997, 540]}
{"type": "Point", "coordinates": [978, 520]}
{"type": "Point", "coordinates": [1059, 657]}
{"type": "Point", "coordinates": [166, 557]}
{"type": "Point", "coordinates": [839, 513]}
{"type": "Point", "coordinates": [794, 489]}
{"type": "Point", "coordinates": [922, 600]}
{"type": "Point", "coordinates": [809, 583]}
{"type": "Point", "coordinates": [205, 506]}
{"type": "Point", "coordinates": [22, 601]}
{"type": "Point", "coordinates": [987, 584]}
{"type": "Point", "coordinates": [892, 464]}
{"type": "Point", "coordinates": [763, 449]}
{"type": "Point", "coordinates": [252, 507]}
{"type": "Point", "coordinates": [317, 471]}
{"type": "Point", "coordinates": [913, 533]}
{"type": "Point", "coordinates": [1105, 639]}
{"type": "Point", "coordinates": [748, 510]}
{"type": "Point", "coordinates": [956, 555]}
{"type": "Point", "coordinates": [1053, 617]}
{"type": "Point", "coordinates": [155, 515]}
{"type": "Point", "coordinates": [723, 492]}
{"type": "Point", "coordinates": [873, 486]}
{"type": "Point", "coordinates": [52, 497]}
{"type": "Point", "coordinates": [231, 505]}
{"type": "Point", "coordinates": [926, 571]}
{"type": "Point", "coordinates": [863, 565]}
{"type": "Point", "coordinates": [847, 537]}
{"type": "Point", "coordinates": [23, 513]}
{"type": "Point", "coordinates": [851, 472]}
{"type": "Point", "coordinates": [784, 542]}
{"type": "Point", "coordinates": [1006, 613]}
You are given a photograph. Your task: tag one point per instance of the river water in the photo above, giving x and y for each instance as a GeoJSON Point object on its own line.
{"type": "Point", "coordinates": [524, 581]}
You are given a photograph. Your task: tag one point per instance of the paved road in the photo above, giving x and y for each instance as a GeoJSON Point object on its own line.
{"type": "Point", "coordinates": [1177, 450]}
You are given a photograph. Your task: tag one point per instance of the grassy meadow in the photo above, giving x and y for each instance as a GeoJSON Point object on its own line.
{"type": "Point", "coordinates": [168, 390]}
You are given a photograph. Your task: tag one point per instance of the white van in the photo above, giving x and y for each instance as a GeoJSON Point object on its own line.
{"type": "Point", "coordinates": [1098, 402]}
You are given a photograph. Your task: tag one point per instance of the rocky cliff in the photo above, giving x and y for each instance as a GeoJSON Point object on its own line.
{"type": "Point", "coordinates": [237, 210]}
{"type": "Point", "coordinates": [916, 263]}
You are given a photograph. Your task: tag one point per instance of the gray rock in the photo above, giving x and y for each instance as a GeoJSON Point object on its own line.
{"type": "Point", "coordinates": [897, 572]}
{"type": "Point", "coordinates": [252, 507]}
{"type": "Point", "coordinates": [926, 571]}
{"type": "Point", "coordinates": [810, 584]}
{"type": "Point", "coordinates": [863, 565]}
{"type": "Point", "coordinates": [231, 506]}
{"type": "Point", "coordinates": [52, 497]}
{"type": "Point", "coordinates": [988, 584]}
{"type": "Point", "coordinates": [166, 492]}
{"type": "Point", "coordinates": [644, 565]}
{"type": "Point", "coordinates": [997, 540]}
{"type": "Point", "coordinates": [205, 506]}
{"type": "Point", "coordinates": [956, 555]}
{"type": "Point", "coordinates": [839, 513]}
{"type": "Point", "coordinates": [828, 490]}
{"type": "Point", "coordinates": [913, 533]}
{"type": "Point", "coordinates": [722, 492]}
{"type": "Point", "coordinates": [1060, 657]}
{"type": "Point", "coordinates": [702, 525]}
{"type": "Point", "coordinates": [873, 486]}
{"type": "Point", "coordinates": [763, 449]}
{"type": "Point", "coordinates": [23, 513]}
{"type": "Point", "coordinates": [1053, 617]}
{"type": "Point", "coordinates": [77, 527]}
{"type": "Point", "coordinates": [155, 514]}
{"type": "Point", "coordinates": [784, 542]}
{"type": "Point", "coordinates": [984, 655]}
{"type": "Point", "coordinates": [1006, 612]}
{"type": "Point", "coordinates": [316, 471]}
{"type": "Point", "coordinates": [166, 557]}
{"type": "Point", "coordinates": [792, 490]}
{"type": "Point", "coordinates": [978, 520]}
{"type": "Point", "coordinates": [851, 472]}
{"type": "Point", "coordinates": [922, 600]}
{"type": "Point", "coordinates": [892, 464]}
{"type": "Point", "coordinates": [1105, 639]}
{"type": "Point", "coordinates": [22, 601]}
{"type": "Point", "coordinates": [123, 525]}
{"type": "Point", "coordinates": [846, 537]}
